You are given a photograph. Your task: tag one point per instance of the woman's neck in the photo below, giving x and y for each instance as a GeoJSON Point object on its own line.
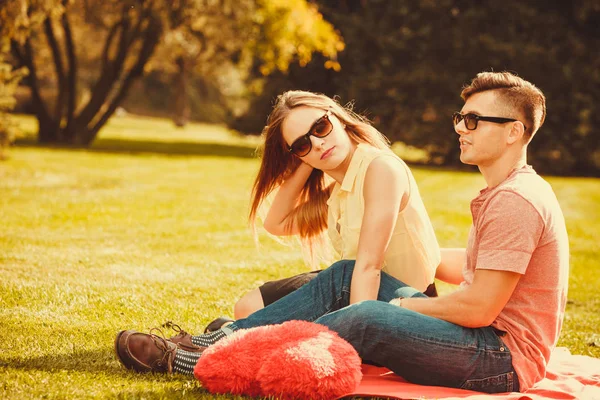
{"type": "Point", "coordinates": [338, 173]}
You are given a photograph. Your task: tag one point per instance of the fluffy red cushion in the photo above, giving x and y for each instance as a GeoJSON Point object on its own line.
{"type": "Point", "coordinates": [294, 360]}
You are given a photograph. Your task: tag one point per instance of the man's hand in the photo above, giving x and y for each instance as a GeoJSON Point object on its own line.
{"type": "Point", "coordinates": [397, 302]}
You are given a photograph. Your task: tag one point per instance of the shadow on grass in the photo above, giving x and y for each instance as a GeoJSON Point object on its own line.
{"type": "Point", "coordinates": [169, 394]}
{"type": "Point", "coordinates": [139, 147]}
{"type": "Point", "coordinates": [93, 361]}
{"type": "Point", "coordinates": [184, 148]}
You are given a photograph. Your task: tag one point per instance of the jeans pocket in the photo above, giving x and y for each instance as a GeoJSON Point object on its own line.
{"type": "Point", "coordinates": [493, 384]}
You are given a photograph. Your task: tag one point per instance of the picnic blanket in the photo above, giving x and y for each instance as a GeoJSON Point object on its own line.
{"type": "Point", "coordinates": [567, 377]}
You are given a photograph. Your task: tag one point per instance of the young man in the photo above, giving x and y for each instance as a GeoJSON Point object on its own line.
{"type": "Point", "coordinates": [494, 334]}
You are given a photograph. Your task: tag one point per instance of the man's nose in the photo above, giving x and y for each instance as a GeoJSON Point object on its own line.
{"type": "Point", "coordinates": [460, 128]}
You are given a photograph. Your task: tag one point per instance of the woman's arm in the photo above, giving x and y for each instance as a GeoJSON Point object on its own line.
{"type": "Point", "coordinates": [386, 183]}
{"type": "Point", "coordinates": [286, 200]}
{"type": "Point", "coordinates": [450, 268]}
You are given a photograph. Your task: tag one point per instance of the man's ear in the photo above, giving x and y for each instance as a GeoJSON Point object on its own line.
{"type": "Point", "coordinates": [517, 130]}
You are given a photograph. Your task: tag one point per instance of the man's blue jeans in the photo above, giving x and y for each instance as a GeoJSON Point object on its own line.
{"type": "Point", "coordinates": [421, 349]}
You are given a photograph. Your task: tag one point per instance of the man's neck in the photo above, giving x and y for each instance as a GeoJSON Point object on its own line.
{"type": "Point", "coordinates": [497, 172]}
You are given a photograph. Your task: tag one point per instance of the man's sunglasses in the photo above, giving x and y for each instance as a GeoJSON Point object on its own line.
{"type": "Point", "coordinates": [471, 120]}
{"type": "Point", "coordinates": [320, 128]}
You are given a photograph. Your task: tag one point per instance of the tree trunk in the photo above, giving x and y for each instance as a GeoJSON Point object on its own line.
{"type": "Point", "coordinates": [182, 103]}
{"type": "Point", "coordinates": [47, 133]}
{"type": "Point", "coordinates": [59, 105]}
{"type": "Point", "coordinates": [110, 74]}
{"type": "Point", "coordinates": [69, 131]}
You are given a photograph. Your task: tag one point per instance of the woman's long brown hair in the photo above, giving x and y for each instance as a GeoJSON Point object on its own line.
{"type": "Point", "coordinates": [278, 163]}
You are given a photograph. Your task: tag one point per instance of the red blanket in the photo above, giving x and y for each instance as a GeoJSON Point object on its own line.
{"type": "Point", "coordinates": [568, 377]}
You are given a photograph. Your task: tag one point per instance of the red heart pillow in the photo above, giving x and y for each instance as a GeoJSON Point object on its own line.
{"type": "Point", "coordinates": [293, 360]}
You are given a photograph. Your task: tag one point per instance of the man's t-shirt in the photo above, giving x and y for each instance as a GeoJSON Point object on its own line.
{"type": "Point", "coordinates": [518, 226]}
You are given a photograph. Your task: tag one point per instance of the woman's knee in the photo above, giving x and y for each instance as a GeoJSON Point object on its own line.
{"type": "Point", "coordinates": [343, 264]}
{"type": "Point", "coordinates": [340, 267]}
{"type": "Point", "coordinates": [248, 304]}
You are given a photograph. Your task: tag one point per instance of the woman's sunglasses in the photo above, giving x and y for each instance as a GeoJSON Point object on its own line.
{"type": "Point", "coordinates": [320, 128]}
{"type": "Point", "coordinates": [471, 120]}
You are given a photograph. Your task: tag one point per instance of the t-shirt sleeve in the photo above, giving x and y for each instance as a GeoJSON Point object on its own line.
{"type": "Point", "coordinates": [509, 231]}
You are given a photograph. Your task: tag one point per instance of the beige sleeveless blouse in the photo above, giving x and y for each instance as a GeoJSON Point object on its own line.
{"type": "Point", "coordinates": [413, 253]}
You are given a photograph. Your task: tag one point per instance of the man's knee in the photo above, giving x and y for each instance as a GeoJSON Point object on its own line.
{"type": "Point", "coordinates": [363, 313]}
{"type": "Point", "coordinates": [408, 291]}
{"type": "Point", "coordinates": [248, 304]}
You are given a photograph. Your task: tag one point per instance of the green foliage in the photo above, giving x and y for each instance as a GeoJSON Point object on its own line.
{"type": "Point", "coordinates": [9, 80]}
{"type": "Point", "coordinates": [150, 224]}
{"type": "Point", "coordinates": [405, 63]}
{"type": "Point", "coordinates": [216, 45]}
{"type": "Point", "coordinates": [272, 33]}
{"type": "Point", "coordinates": [20, 17]}
{"type": "Point", "coordinates": [292, 30]}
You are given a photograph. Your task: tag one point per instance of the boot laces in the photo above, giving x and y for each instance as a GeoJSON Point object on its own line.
{"type": "Point", "coordinates": [175, 327]}
{"type": "Point", "coordinates": [168, 351]}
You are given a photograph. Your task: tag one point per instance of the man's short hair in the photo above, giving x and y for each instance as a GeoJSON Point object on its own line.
{"type": "Point", "coordinates": [517, 93]}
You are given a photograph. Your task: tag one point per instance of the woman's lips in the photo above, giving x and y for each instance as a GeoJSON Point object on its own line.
{"type": "Point", "coordinates": [327, 153]}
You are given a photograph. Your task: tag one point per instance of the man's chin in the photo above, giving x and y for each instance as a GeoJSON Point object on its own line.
{"type": "Point", "coordinates": [467, 161]}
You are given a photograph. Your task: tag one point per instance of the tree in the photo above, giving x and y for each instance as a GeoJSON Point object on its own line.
{"type": "Point", "coordinates": [124, 35]}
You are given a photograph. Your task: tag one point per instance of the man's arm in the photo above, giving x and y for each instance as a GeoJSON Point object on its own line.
{"type": "Point", "coordinates": [451, 266]}
{"type": "Point", "coordinates": [476, 305]}
{"type": "Point", "coordinates": [508, 234]}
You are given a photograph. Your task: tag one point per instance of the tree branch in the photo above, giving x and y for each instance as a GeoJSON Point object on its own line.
{"type": "Point", "coordinates": [108, 77]}
{"type": "Point", "coordinates": [60, 73]}
{"type": "Point", "coordinates": [109, 39]}
{"type": "Point", "coordinates": [152, 36]}
{"type": "Point", "coordinates": [27, 57]}
{"type": "Point", "coordinates": [72, 80]}
{"type": "Point", "coordinates": [137, 30]}
{"type": "Point", "coordinates": [16, 51]}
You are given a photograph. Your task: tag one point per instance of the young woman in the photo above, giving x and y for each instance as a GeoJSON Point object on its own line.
{"type": "Point", "coordinates": [373, 211]}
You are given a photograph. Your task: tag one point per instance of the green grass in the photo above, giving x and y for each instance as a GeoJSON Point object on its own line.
{"type": "Point", "coordinates": [150, 225]}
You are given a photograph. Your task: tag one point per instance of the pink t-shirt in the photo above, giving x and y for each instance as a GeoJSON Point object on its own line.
{"type": "Point", "coordinates": [518, 226]}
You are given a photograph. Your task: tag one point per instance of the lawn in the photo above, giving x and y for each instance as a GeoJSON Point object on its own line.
{"type": "Point", "coordinates": [149, 225]}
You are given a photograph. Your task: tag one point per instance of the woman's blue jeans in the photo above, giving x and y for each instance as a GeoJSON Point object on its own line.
{"type": "Point", "coordinates": [421, 349]}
